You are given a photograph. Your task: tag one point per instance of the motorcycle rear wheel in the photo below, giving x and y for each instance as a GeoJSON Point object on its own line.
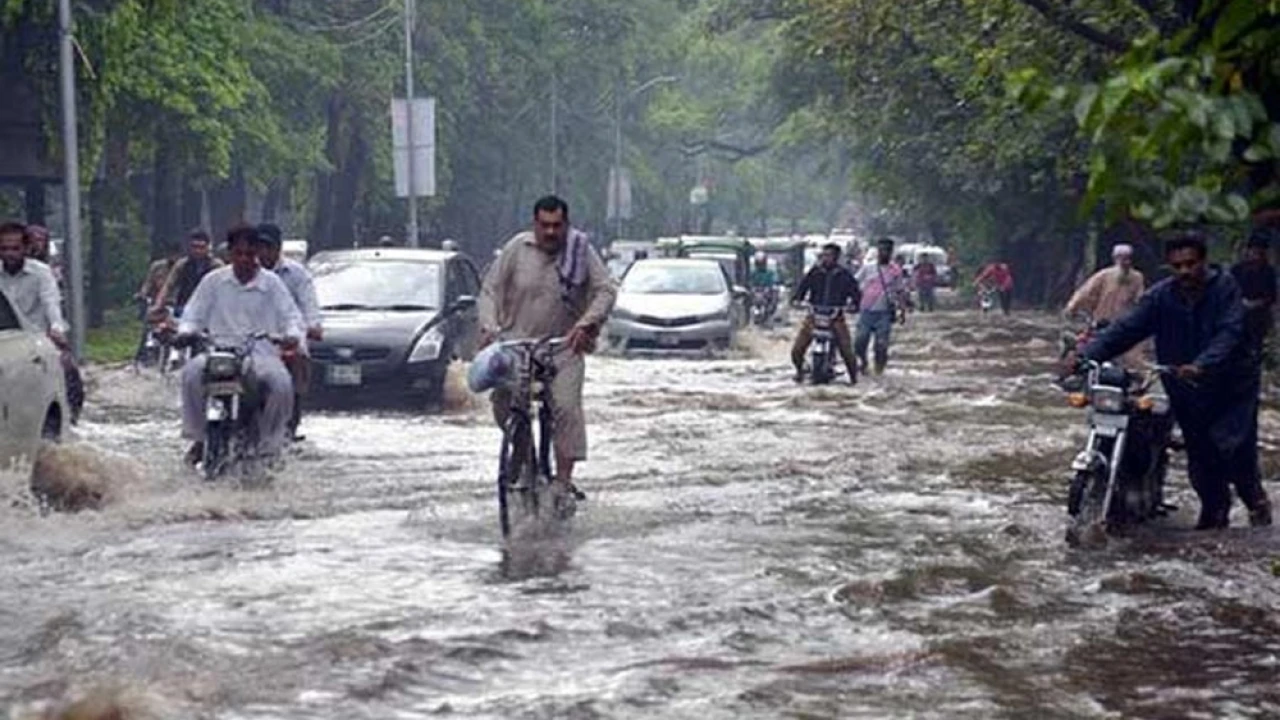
{"type": "Point", "coordinates": [217, 444]}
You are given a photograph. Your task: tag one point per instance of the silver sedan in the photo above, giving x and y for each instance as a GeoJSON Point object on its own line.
{"type": "Point", "coordinates": [683, 304]}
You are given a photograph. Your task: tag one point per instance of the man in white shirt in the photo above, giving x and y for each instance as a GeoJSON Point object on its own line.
{"type": "Point", "coordinates": [30, 284]}
{"type": "Point", "coordinates": [32, 289]}
{"type": "Point", "coordinates": [297, 278]}
{"type": "Point", "coordinates": [230, 305]}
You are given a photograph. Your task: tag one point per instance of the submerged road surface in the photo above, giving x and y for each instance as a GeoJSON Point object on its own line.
{"type": "Point", "coordinates": [750, 549]}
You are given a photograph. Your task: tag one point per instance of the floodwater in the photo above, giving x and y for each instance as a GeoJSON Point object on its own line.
{"type": "Point", "coordinates": [751, 548]}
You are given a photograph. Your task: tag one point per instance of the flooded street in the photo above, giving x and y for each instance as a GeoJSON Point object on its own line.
{"type": "Point", "coordinates": [751, 548]}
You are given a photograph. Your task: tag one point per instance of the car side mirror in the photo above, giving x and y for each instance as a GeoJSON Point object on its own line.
{"type": "Point", "coordinates": [739, 291]}
{"type": "Point", "coordinates": [464, 302]}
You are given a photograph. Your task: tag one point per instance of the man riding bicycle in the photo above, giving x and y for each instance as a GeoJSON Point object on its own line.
{"type": "Point", "coordinates": [827, 284]}
{"type": "Point", "coordinates": [549, 282]}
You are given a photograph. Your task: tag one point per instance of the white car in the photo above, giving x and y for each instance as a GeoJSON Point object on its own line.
{"type": "Point", "coordinates": [674, 304]}
{"type": "Point", "coordinates": [33, 399]}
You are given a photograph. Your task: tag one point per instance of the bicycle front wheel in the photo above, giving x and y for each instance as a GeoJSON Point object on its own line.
{"type": "Point", "coordinates": [514, 463]}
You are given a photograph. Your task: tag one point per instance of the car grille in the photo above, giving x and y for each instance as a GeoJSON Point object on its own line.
{"type": "Point", "coordinates": [363, 354]}
{"type": "Point", "coordinates": [669, 322]}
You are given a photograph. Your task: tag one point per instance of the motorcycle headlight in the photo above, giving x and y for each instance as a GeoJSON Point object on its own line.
{"type": "Point", "coordinates": [1108, 399]}
{"type": "Point", "coordinates": [222, 366]}
{"type": "Point", "coordinates": [428, 347]}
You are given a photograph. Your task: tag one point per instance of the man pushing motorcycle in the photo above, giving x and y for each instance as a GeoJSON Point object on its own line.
{"type": "Point", "coordinates": [231, 305]}
{"type": "Point", "coordinates": [1197, 319]}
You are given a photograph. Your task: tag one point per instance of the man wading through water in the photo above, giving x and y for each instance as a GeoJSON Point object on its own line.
{"type": "Point", "coordinates": [550, 283]}
{"type": "Point", "coordinates": [1197, 318]}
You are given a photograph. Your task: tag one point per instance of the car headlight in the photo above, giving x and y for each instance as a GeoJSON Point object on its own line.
{"type": "Point", "coordinates": [622, 314]}
{"type": "Point", "coordinates": [428, 347]}
{"type": "Point", "coordinates": [1108, 399]}
{"type": "Point", "coordinates": [718, 316]}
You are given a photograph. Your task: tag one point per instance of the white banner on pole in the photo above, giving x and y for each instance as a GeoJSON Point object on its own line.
{"type": "Point", "coordinates": [424, 146]}
{"type": "Point", "coordinates": [619, 205]}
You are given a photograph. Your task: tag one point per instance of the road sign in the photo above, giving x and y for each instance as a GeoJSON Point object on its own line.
{"type": "Point", "coordinates": [424, 146]}
{"type": "Point", "coordinates": [700, 194]}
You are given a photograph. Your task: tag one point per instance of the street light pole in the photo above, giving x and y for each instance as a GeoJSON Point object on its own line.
{"type": "Point", "coordinates": [617, 164]}
{"type": "Point", "coordinates": [617, 142]}
{"type": "Point", "coordinates": [71, 176]}
{"type": "Point", "coordinates": [412, 240]}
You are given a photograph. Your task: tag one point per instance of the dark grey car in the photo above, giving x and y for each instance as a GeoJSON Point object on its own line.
{"type": "Point", "coordinates": [394, 318]}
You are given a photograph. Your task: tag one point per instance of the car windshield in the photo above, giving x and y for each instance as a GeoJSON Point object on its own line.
{"type": "Point", "coordinates": [674, 280]}
{"type": "Point", "coordinates": [934, 256]}
{"type": "Point", "coordinates": [378, 285]}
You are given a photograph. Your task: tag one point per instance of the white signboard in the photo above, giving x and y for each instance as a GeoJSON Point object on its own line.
{"type": "Point", "coordinates": [424, 146]}
{"type": "Point", "coordinates": [619, 194]}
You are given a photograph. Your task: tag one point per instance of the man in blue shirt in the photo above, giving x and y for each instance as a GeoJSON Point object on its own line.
{"type": "Point", "coordinates": [1197, 318]}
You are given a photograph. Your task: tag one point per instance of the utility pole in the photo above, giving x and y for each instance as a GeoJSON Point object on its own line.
{"type": "Point", "coordinates": [408, 97]}
{"type": "Point", "coordinates": [555, 135]}
{"type": "Point", "coordinates": [617, 162]}
{"type": "Point", "coordinates": [622, 98]}
{"type": "Point", "coordinates": [71, 177]}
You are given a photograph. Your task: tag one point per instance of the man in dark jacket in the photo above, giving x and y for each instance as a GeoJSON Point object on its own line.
{"type": "Point", "coordinates": [828, 284]}
{"type": "Point", "coordinates": [1257, 280]}
{"type": "Point", "coordinates": [1197, 318]}
{"type": "Point", "coordinates": [185, 275]}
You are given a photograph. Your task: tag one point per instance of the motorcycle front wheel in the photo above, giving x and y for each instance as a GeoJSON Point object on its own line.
{"type": "Point", "coordinates": [821, 374]}
{"type": "Point", "coordinates": [1087, 522]}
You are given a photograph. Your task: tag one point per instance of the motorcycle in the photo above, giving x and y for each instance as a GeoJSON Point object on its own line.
{"type": "Point", "coordinates": [232, 406]}
{"type": "Point", "coordinates": [986, 299]}
{"type": "Point", "coordinates": [159, 350]}
{"type": "Point", "coordinates": [822, 346]}
{"type": "Point", "coordinates": [1118, 478]}
{"type": "Point", "coordinates": [764, 305]}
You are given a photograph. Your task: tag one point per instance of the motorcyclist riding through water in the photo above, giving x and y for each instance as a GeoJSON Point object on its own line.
{"type": "Point", "coordinates": [185, 275]}
{"type": "Point", "coordinates": [764, 286]}
{"type": "Point", "coordinates": [229, 305]}
{"type": "Point", "coordinates": [827, 284]}
{"type": "Point", "coordinates": [297, 278]}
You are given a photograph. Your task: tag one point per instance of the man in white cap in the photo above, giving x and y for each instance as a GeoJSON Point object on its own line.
{"type": "Point", "coordinates": [1111, 293]}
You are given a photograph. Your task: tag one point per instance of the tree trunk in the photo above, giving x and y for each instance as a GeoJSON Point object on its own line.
{"type": "Point", "coordinates": [346, 190]}
{"type": "Point", "coordinates": [166, 217]}
{"type": "Point", "coordinates": [97, 254]}
{"type": "Point", "coordinates": [34, 197]}
{"type": "Point", "coordinates": [322, 225]}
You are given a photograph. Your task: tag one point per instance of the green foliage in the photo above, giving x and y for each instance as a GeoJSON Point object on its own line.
{"type": "Point", "coordinates": [1180, 124]}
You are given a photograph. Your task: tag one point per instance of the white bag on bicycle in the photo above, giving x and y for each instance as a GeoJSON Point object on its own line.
{"type": "Point", "coordinates": [492, 367]}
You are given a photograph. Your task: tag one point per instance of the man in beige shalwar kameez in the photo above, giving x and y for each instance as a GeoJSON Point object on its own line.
{"type": "Point", "coordinates": [550, 283]}
{"type": "Point", "coordinates": [1111, 293]}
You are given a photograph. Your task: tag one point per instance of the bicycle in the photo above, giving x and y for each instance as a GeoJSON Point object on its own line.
{"type": "Point", "coordinates": [524, 462]}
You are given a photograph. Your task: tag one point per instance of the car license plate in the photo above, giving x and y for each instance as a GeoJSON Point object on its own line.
{"type": "Point", "coordinates": [344, 375]}
{"type": "Point", "coordinates": [668, 339]}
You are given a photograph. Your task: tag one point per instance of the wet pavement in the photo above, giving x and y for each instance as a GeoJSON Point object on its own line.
{"type": "Point", "coordinates": [750, 549]}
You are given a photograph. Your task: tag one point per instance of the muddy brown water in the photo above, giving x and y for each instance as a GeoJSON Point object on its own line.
{"type": "Point", "coordinates": [750, 549]}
